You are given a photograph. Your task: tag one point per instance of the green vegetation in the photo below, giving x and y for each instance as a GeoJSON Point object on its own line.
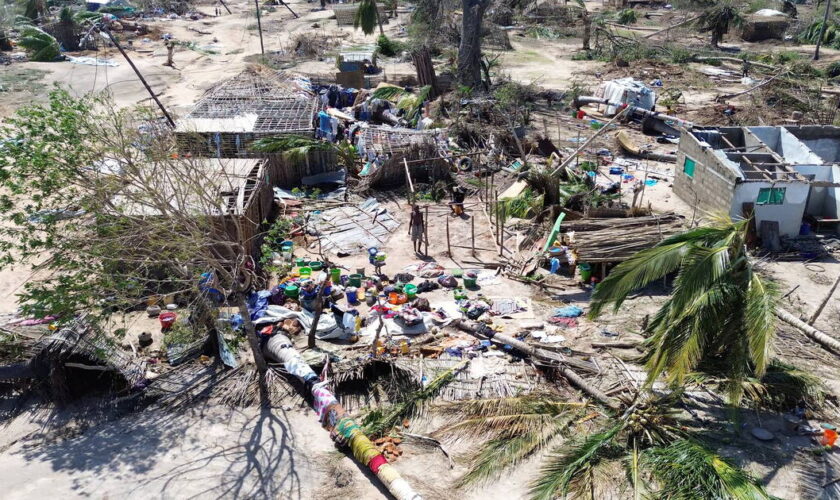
{"type": "Point", "coordinates": [627, 16]}
{"type": "Point", "coordinates": [721, 311]}
{"type": "Point", "coordinates": [40, 46]}
{"type": "Point", "coordinates": [648, 441]}
{"type": "Point", "coordinates": [718, 19]}
{"type": "Point", "coordinates": [388, 47]}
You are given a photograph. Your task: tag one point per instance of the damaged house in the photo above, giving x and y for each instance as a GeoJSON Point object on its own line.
{"type": "Point", "coordinates": [253, 105]}
{"type": "Point", "coordinates": [787, 175]}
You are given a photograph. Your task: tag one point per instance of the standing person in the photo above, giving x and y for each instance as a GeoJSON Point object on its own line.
{"type": "Point", "coordinates": [458, 197]}
{"type": "Point", "coordinates": [170, 52]}
{"type": "Point", "coordinates": [416, 228]}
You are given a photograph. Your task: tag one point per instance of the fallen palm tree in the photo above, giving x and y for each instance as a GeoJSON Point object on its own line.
{"type": "Point", "coordinates": [812, 333]}
{"type": "Point", "coordinates": [342, 428]}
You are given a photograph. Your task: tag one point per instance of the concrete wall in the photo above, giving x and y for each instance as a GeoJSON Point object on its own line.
{"type": "Point", "coordinates": [712, 187]}
{"type": "Point", "coordinates": [789, 214]}
{"type": "Point", "coordinates": [817, 200]}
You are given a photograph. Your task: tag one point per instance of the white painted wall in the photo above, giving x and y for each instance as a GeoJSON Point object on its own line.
{"type": "Point", "coordinates": [817, 204]}
{"type": "Point", "coordinates": [794, 151]}
{"type": "Point", "coordinates": [788, 215]}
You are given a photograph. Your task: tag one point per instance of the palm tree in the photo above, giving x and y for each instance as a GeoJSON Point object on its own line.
{"type": "Point", "coordinates": [718, 19]}
{"type": "Point", "coordinates": [367, 17]}
{"type": "Point", "coordinates": [721, 310]}
{"type": "Point", "coordinates": [647, 440]}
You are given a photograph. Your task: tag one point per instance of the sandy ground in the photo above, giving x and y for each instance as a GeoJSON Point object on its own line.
{"type": "Point", "coordinates": [285, 454]}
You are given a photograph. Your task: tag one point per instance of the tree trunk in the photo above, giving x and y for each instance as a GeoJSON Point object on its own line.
{"type": "Point", "coordinates": [587, 31]}
{"type": "Point", "coordinates": [254, 343]}
{"type": "Point", "coordinates": [530, 351]}
{"type": "Point", "coordinates": [319, 308]}
{"type": "Point", "coordinates": [812, 333]}
{"type": "Point", "coordinates": [469, 53]}
{"type": "Point", "coordinates": [822, 29]}
{"type": "Point", "coordinates": [378, 19]}
{"type": "Point", "coordinates": [422, 60]}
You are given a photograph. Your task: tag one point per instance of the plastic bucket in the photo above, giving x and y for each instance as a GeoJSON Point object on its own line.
{"type": "Point", "coordinates": [167, 319]}
{"type": "Point", "coordinates": [352, 295]}
{"type": "Point", "coordinates": [394, 298]}
{"type": "Point", "coordinates": [370, 298]}
{"type": "Point", "coordinates": [585, 272]}
{"type": "Point", "coordinates": [829, 437]}
{"type": "Point", "coordinates": [335, 275]}
{"type": "Point", "coordinates": [300, 262]}
{"type": "Point", "coordinates": [410, 291]}
{"type": "Point", "coordinates": [316, 265]}
{"type": "Point", "coordinates": [305, 272]}
{"type": "Point", "coordinates": [470, 281]}
{"type": "Point", "coordinates": [292, 291]}
{"type": "Point", "coordinates": [287, 246]}
{"type": "Point", "coordinates": [355, 280]}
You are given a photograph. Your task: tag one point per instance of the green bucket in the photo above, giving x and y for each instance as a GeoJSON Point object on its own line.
{"type": "Point", "coordinates": [300, 262]}
{"type": "Point", "coordinates": [470, 281]}
{"type": "Point", "coordinates": [305, 272]}
{"type": "Point", "coordinates": [410, 291]}
{"type": "Point", "coordinates": [335, 275]}
{"type": "Point", "coordinates": [355, 280]}
{"type": "Point", "coordinates": [292, 291]}
{"type": "Point", "coordinates": [316, 265]}
{"type": "Point", "coordinates": [585, 272]}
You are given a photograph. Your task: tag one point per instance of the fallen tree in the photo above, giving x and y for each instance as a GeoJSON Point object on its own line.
{"type": "Point", "coordinates": [821, 338]}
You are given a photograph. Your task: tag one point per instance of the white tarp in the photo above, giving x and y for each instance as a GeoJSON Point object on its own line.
{"type": "Point", "coordinates": [625, 91]}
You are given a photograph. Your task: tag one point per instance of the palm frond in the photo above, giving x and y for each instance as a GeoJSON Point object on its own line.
{"type": "Point", "coordinates": [644, 267]}
{"type": "Point", "coordinates": [686, 469]}
{"type": "Point", "coordinates": [388, 93]}
{"type": "Point", "coordinates": [381, 420]}
{"type": "Point", "coordinates": [760, 320]}
{"type": "Point", "coordinates": [366, 17]}
{"type": "Point", "coordinates": [292, 148]}
{"type": "Point", "coordinates": [570, 463]}
{"type": "Point", "coordinates": [500, 453]}
{"type": "Point", "coordinates": [40, 46]}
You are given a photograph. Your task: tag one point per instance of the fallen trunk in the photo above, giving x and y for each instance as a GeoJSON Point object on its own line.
{"type": "Point", "coordinates": [342, 428]}
{"type": "Point", "coordinates": [812, 333]}
{"type": "Point", "coordinates": [482, 330]}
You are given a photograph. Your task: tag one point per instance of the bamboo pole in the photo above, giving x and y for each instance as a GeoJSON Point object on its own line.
{"type": "Point", "coordinates": [426, 231]}
{"type": "Point", "coordinates": [448, 247]}
{"type": "Point", "coordinates": [472, 226]}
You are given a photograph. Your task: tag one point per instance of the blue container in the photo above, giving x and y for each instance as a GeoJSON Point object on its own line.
{"type": "Point", "coordinates": [616, 170]}
{"type": "Point", "coordinates": [352, 295]}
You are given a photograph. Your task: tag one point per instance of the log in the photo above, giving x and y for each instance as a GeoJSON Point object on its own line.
{"type": "Point", "coordinates": [669, 28]}
{"type": "Point", "coordinates": [819, 310]}
{"type": "Point", "coordinates": [539, 355]}
{"type": "Point", "coordinates": [829, 343]}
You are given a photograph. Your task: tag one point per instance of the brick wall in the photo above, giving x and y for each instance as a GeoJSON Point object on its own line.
{"type": "Point", "coordinates": [711, 189]}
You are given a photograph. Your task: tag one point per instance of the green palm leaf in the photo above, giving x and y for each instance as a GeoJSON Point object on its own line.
{"type": "Point", "coordinates": [366, 17]}
{"type": "Point", "coordinates": [40, 46]}
{"type": "Point", "coordinates": [686, 470]}
{"type": "Point", "coordinates": [567, 466]}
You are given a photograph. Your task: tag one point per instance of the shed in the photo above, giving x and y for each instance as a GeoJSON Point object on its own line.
{"type": "Point", "coordinates": [245, 197]}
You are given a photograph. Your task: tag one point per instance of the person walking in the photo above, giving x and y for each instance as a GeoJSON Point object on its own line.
{"type": "Point", "coordinates": [416, 228]}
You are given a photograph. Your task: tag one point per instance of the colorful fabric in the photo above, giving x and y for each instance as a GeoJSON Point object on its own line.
{"type": "Point", "coordinates": [376, 463]}
{"type": "Point", "coordinates": [363, 448]}
{"type": "Point", "coordinates": [568, 312]}
{"type": "Point", "coordinates": [346, 426]}
{"type": "Point", "coordinates": [323, 398]}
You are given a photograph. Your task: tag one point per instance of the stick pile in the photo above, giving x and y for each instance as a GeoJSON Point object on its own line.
{"type": "Point", "coordinates": [616, 240]}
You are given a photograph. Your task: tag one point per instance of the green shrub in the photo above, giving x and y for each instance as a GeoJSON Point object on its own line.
{"type": "Point", "coordinates": [627, 16]}
{"type": "Point", "coordinates": [388, 47]}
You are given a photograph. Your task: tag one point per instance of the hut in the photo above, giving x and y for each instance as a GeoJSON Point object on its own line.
{"type": "Point", "coordinates": [254, 104]}
{"type": "Point", "coordinates": [386, 151]}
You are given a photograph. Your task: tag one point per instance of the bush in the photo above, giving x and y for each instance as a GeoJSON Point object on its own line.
{"type": "Point", "coordinates": [627, 16]}
{"type": "Point", "coordinates": [388, 47]}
